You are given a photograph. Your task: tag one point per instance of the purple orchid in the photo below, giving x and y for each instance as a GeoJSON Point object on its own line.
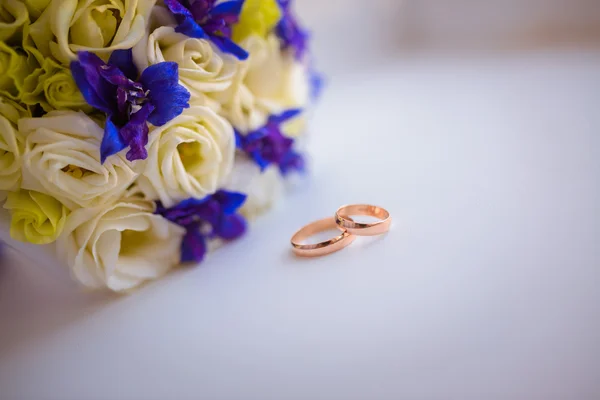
{"type": "Point", "coordinates": [129, 103]}
{"type": "Point", "coordinates": [214, 216]}
{"type": "Point", "coordinates": [267, 145]}
{"type": "Point", "coordinates": [203, 19]}
{"type": "Point", "coordinates": [289, 30]}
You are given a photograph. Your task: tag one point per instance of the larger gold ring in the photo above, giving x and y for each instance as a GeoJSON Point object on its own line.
{"type": "Point", "coordinates": [322, 248]}
{"type": "Point", "coordinates": [342, 218]}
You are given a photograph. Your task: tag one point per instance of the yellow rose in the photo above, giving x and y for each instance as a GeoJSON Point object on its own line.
{"type": "Point", "coordinates": [13, 15]}
{"type": "Point", "coordinates": [258, 17]}
{"type": "Point", "coordinates": [11, 144]}
{"type": "Point", "coordinates": [52, 86]}
{"type": "Point", "coordinates": [36, 7]}
{"type": "Point", "coordinates": [14, 68]}
{"type": "Point", "coordinates": [68, 26]}
{"type": "Point", "coordinates": [35, 217]}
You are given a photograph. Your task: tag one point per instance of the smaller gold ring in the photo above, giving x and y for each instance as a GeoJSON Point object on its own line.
{"type": "Point", "coordinates": [344, 222]}
{"type": "Point", "coordinates": [322, 248]}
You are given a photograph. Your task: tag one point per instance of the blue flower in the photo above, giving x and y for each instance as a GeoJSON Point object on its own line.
{"type": "Point", "coordinates": [289, 30]}
{"type": "Point", "coordinates": [129, 103]}
{"type": "Point", "coordinates": [316, 82]}
{"type": "Point", "coordinates": [267, 145]}
{"type": "Point", "coordinates": [214, 216]}
{"type": "Point", "coordinates": [203, 19]}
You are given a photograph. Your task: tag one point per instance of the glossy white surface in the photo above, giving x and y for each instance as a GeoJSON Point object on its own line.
{"type": "Point", "coordinates": [486, 287]}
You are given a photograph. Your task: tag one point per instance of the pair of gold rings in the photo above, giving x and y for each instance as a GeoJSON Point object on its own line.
{"type": "Point", "coordinates": [342, 221]}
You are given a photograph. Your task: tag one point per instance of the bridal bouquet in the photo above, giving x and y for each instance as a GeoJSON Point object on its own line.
{"type": "Point", "coordinates": [134, 134]}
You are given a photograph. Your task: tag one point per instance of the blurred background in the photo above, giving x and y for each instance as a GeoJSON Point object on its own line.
{"type": "Point", "coordinates": [351, 32]}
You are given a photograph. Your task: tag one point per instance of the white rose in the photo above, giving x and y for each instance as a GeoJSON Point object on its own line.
{"type": "Point", "coordinates": [69, 26]}
{"type": "Point", "coordinates": [11, 145]}
{"type": "Point", "coordinates": [62, 159]}
{"type": "Point", "coordinates": [269, 82]}
{"type": "Point", "coordinates": [120, 246]}
{"type": "Point", "coordinates": [203, 69]}
{"type": "Point", "coordinates": [190, 156]}
{"type": "Point", "coordinates": [262, 188]}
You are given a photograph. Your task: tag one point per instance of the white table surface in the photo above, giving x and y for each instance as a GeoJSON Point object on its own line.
{"type": "Point", "coordinates": [487, 287]}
